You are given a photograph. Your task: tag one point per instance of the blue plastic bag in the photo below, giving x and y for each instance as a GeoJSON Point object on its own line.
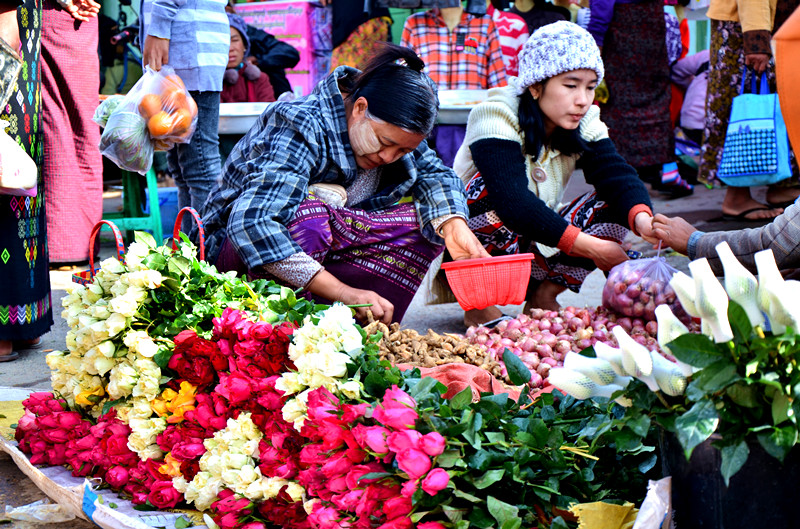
{"type": "Point", "coordinates": [756, 148]}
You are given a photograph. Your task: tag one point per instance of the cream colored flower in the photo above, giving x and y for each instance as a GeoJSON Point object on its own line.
{"type": "Point", "coordinates": [115, 324]}
{"type": "Point", "coordinates": [145, 279]}
{"type": "Point", "coordinates": [351, 389]}
{"type": "Point", "coordinates": [121, 380]}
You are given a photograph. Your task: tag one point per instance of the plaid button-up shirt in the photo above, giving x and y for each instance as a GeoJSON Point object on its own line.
{"type": "Point", "coordinates": [467, 58]}
{"type": "Point", "coordinates": [304, 142]}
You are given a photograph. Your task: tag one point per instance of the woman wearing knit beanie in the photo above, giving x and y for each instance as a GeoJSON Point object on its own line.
{"type": "Point", "coordinates": [523, 144]}
{"type": "Point", "coordinates": [243, 82]}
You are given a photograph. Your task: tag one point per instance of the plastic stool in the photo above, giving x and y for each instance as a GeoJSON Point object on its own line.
{"type": "Point", "coordinates": [133, 216]}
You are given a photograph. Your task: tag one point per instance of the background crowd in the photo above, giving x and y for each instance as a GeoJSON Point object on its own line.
{"type": "Point", "coordinates": [666, 111]}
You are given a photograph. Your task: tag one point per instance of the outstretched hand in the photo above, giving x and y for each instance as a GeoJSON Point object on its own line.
{"type": "Point", "coordinates": [673, 232]}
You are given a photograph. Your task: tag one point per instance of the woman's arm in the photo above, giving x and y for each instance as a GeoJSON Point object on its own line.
{"type": "Point", "coordinates": [502, 166]}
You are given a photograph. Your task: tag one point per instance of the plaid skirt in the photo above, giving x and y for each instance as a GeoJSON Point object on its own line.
{"type": "Point", "coordinates": [586, 212]}
{"type": "Point", "coordinates": [382, 251]}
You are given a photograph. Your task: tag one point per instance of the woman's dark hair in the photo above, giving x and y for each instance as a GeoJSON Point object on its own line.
{"type": "Point", "coordinates": [531, 121]}
{"type": "Point", "coordinates": [398, 93]}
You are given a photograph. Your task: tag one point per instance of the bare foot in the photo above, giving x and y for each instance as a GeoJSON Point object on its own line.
{"type": "Point", "coordinates": [7, 352]}
{"type": "Point", "coordinates": [479, 316]}
{"type": "Point", "coordinates": [544, 297]}
{"type": "Point", "coordinates": [782, 195]}
{"type": "Point", "coordinates": [738, 200]}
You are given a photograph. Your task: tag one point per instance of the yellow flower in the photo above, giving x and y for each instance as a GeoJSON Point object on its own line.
{"type": "Point", "coordinates": [171, 466]}
{"type": "Point", "coordinates": [90, 397]}
{"type": "Point", "coordinates": [174, 404]}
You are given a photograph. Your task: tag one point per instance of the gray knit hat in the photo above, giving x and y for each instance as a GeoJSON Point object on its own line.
{"type": "Point", "coordinates": [557, 48]}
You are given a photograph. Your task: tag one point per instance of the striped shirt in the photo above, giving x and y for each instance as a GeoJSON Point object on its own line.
{"type": "Point", "coordinates": [513, 33]}
{"type": "Point", "coordinates": [295, 144]}
{"type": "Point", "coordinates": [199, 38]}
{"type": "Point", "coordinates": [467, 58]}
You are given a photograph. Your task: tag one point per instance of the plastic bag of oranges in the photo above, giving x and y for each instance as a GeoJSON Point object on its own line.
{"type": "Point", "coordinates": [157, 113]}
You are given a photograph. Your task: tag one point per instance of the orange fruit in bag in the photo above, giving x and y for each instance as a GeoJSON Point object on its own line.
{"type": "Point", "coordinates": [175, 79]}
{"type": "Point", "coordinates": [181, 122]}
{"type": "Point", "coordinates": [173, 98]}
{"type": "Point", "coordinates": [150, 105]}
{"type": "Point", "coordinates": [160, 124]}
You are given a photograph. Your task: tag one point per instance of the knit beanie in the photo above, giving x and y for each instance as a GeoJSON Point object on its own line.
{"type": "Point", "coordinates": [240, 25]}
{"type": "Point", "coordinates": [554, 49]}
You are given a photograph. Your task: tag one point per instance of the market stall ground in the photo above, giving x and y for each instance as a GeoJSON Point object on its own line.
{"type": "Point", "coordinates": [31, 373]}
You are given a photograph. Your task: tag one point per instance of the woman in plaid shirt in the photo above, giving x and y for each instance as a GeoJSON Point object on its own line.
{"type": "Point", "coordinates": [310, 196]}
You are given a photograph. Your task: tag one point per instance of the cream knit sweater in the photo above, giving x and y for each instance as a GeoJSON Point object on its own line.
{"type": "Point", "coordinates": [497, 118]}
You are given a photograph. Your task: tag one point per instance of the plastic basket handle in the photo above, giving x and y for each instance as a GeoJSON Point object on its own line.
{"type": "Point", "coordinates": [117, 239]}
{"type": "Point", "coordinates": [200, 229]}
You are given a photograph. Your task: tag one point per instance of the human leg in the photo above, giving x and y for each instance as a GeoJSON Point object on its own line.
{"type": "Point", "coordinates": [739, 204]}
{"type": "Point", "coordinates": [195, 166]}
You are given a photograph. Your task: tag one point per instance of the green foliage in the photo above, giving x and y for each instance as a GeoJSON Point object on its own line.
{"type": "Point", "coordinates": [512, 463]}
{"type": "Point", "coordinates": [746, 390]}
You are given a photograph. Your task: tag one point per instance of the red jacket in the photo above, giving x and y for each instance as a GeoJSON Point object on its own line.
{"type": "Point", "coordinates": [245, 91]}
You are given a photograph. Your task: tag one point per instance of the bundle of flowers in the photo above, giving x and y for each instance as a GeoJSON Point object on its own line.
{"type": "Point", "coordinates": [186, 387]}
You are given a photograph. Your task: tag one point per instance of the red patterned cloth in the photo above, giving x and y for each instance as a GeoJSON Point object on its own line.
{"type": "Point", "coordinates": [513, 32]}
{"type": "Point", "coordinates": [467, 58]}
{"type": "Point", "coordinates": [458, 377]}
{"type": "Point", "coordinates": [72, 169]}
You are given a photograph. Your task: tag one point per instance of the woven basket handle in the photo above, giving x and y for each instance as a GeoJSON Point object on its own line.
{"type": "Point", "coordinates": [117, 239]}
{"type": "Point", "coordinates": [200, 229]}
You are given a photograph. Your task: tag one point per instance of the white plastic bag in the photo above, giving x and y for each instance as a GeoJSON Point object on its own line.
{"type": "Point", "coordinates": [156, 114]}
{"type": "Point", "coordinates": [42, 511]}
{"type": "Point", "coordinates": [18, 172]}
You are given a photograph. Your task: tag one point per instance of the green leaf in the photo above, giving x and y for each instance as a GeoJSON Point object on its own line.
{"type": "Point", "coordinates": [480, 518]}
{"type": "Point", "coordinates": [182, 523]}
{"type": "Point", "coordinates": [109, 404]}
{"type": "Point", "coordinates": [467, 496]}
{"type": "Point", "coordinates": [696, 425]}
{"type": "Point", "coordinates": [145, 238]}
{"type": "Point", "coordinates": [733, 459]}
{"type": "Point", "coordinates": [179, 265]}
{"type": "Point", "coordinates": [695, 349]}
{"type": "Point", "coordinates": [462, 399]}
{"type": "Point", "coordinates": [455, 514]}
{"type": "Point", "coordinates": [417, 516]}
{"type": "Point", "coordinates": [448, 458]}
{"type": "Point", "coordinates": [374, 475]}
{"type": "Point", "coordinates": [518, 373]}
{"type": "Point", "coordinates": [155, 261]}
{"type": "Point", "coordinates": [501, 511]}
{"type": "Point", "coordinates": [712, 379]}
{"type": "Point", "coordinates": [423, 387]}
{"type": "Point", "coordinates": [162, 357]}
{"type": "Point", "coordinates": [489, 478]}
{"type": "Point", "coordinates": [780, 408]}
{"type": "Point", "coordinates": [743, 395]}
{"type": "Point", "coordinates": [559, 523]}
{"type": "Point", "coordinates": [740, 323]}
{"type": "Point", "coordinates": [778, 441]}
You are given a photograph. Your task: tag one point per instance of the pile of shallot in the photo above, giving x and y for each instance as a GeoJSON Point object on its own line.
{"type": "Point", "coordinates": [542, 338]}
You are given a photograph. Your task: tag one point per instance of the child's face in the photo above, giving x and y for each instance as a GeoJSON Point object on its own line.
{"type": "Point", "coordinates": [565, 98]}
{"type": "Point", "coordinates": [236, 52]}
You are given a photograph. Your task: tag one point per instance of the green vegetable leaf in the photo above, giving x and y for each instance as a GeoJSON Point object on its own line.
{"type": "Point", "coordinates": [518, 373]}
{"type": "Point", "coordinates": [743, 395]}
{"type": "Point", "coordinates": [712, 379]}
{"type": "Point", "coordinates": [162, 357]}
{"type": "Point", "coordinates": [462, 399]}
{"type": "Point", "coordinates": [179, 265]}
{"type": "Point", "coordinates": [695, 349]}
{"type": "Point", "coordinates": [733, 459]}
{"type": "Point", "coordinates": [740, 323]}
{"type": "Point", "coordinates": [780, 408]}
{"type": "Point", "coordinates": [696, 425]}
{"type": "Point", "coordinates": [448, 458]}
{"type": "Point", "coordinates": [778, 441]}
{"type": "Point", "coordinates": [145, 238]}
{"type": "Point", "coordinates": [182, 523]}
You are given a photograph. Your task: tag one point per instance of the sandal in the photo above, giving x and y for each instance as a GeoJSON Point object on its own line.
{"type": "Point", "coordinates": [10, 357]}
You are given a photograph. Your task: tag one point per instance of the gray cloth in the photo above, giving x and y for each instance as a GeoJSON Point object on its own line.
{"type": "Point", "coordinates": [782, 236]}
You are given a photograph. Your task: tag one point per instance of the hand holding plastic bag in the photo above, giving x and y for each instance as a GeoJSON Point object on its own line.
{"type": "Point", "coordinates": [636, 287]}
{"type": "Point", "coordinates": [156, 114]}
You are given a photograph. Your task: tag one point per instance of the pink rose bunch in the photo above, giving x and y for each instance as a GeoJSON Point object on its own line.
{"type": "Point", "coordinates": [346, 446]}
{"type": "Point", "coordinates": [46, 428]}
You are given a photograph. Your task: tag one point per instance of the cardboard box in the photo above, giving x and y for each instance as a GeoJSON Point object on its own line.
{"type": "Point", "coordinates": [304, 24]}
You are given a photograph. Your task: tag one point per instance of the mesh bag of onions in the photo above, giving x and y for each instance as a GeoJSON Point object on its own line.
{"type": "Point", "coordinates": [636, 287]}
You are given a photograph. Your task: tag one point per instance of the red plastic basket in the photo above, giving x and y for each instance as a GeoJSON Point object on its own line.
{"type": "Point", "coordinates": [481, 283]}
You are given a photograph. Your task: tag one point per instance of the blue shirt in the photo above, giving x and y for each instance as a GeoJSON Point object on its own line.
{"type": "Point", "coordinates": [295, 144]}
{"type": "Point", "coordinates": [199, 38]}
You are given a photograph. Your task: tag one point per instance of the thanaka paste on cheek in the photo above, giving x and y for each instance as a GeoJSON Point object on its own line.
{"type": "Point", "coordinates": [363, 139]}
